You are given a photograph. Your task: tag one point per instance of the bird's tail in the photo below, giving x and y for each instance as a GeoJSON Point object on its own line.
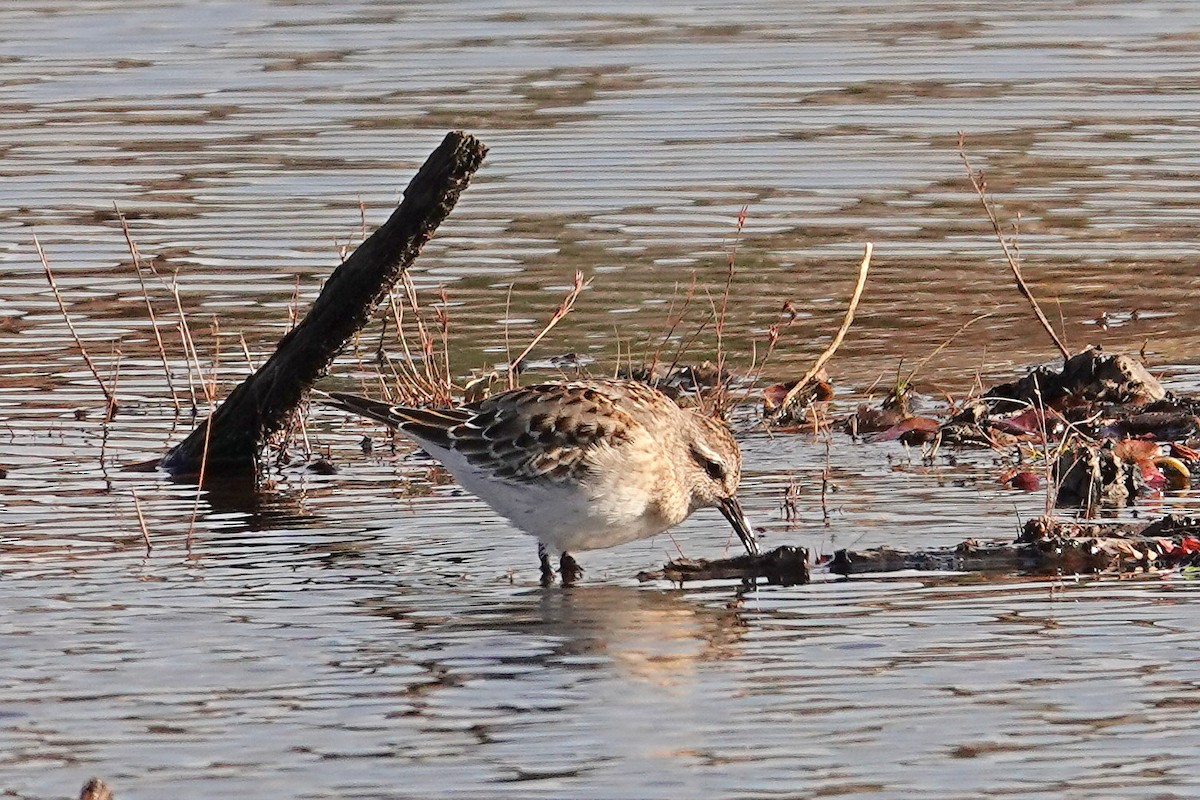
{"type": "Point", "coordinates": [428, 424]}
{"type": "Point", "coordinates": [364, 407]}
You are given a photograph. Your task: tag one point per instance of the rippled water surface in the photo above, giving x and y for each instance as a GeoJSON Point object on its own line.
{"type": "Point", "coordinates": [376, 633]}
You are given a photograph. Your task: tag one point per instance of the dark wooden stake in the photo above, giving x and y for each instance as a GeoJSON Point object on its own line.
{"type": "Point", "coordinates": [263, 403]}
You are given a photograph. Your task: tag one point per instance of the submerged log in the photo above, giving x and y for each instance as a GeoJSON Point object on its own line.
{"type": "Point", "coordinates": [263, 403]}
{"type": "Point", "coordinates": [976, 556]}
{"type": "Point", "coordinates": [785, 565]}
{"type": "Point", "coordinates": [1048, 546]}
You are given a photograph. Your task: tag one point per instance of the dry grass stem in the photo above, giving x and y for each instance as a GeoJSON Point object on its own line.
{"type": "Point", "coordinates": [508, 340]}
{"type": "Point", "coordinates": [913, 374]}
{"type": "Point", "coordinates": [137, 506]}
{"type": "Point", "coordinates": [438, 392]}
{"type": "Point", "coordinates": [673, 321]}
{"type": "Point", "coordinates": [210, 391]}
{"type": "Point", "coordinates": [412, 384]}
{"type": "Point", "coordinates": [246, 353]}
{"type": "Point", "coordinates": [109, 397]}
{"type": "Point", "coordinates": [563, 309]}
{"type": "Point", "coordinates": [980, 186]}
{"type": "Point", "coordinates": [822, 359]}
{"type": "Point", "coordinates": [190, 356]}
{"type": "Point", "coordinates": [135, 256]}
{"type": "Point", "coordinates": [719, 325]}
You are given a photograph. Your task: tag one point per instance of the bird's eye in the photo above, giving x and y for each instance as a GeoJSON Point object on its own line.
{"type": "Point", "coordinates": [714, 468]}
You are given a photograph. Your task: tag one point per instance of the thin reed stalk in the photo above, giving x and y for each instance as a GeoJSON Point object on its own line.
{"type": "Point", "coordinates": [109, 397]}
{"type": "Point", "coordinates": [190, 356]}
{"type": "Point", "coordinates": [719, 324]}
{"type": "Point", "coordinates": [564, 308]}
{"type": "Point", "coordinates": [980, 185]}
{"type": "Point", "coordinates": [417, 385]}
{"type": "Point", "coordinates": [135, 255]}
{"type": "Point", "coordinates": [137, 506]}
{"type": "Point", "coordinates": [210, 394]}
{"type": "Point", "coordinates": [673, 321]}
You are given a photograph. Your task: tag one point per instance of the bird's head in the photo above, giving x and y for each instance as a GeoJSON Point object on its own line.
{"type": "Point", "coordinates": [713, 465]}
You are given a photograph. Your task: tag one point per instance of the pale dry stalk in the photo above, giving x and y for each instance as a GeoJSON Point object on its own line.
{"type": "Point", "coordinates": [190, 357]}
{"type": "Point", "coordinates": [109, 397]}
{"type": "Point", "coordinates": [563, 309]}
{"type": "Point", "coordinates": [822, 359]}
{"type": "Point", "coordinates": [673, 320]}
{"type": "Point", "coordinates": [980, 186]}
{"type": "Point", "coordinates": [137, 506]}
{"type": "Point", "coordinates": [135, 255]}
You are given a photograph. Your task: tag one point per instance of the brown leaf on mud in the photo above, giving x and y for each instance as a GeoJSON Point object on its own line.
{"type": "Point", "coordinates": [1184, 453]}
{"type": "Point", "coordinates": [914, 430]}
{"type": "Point", "coordinates": [873, 420]}
{"type": "Point", "coordinates": [1031, 421]}
{"type": "Point", "coordinates": [1135, 450]}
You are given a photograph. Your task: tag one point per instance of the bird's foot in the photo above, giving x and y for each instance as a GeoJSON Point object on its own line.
{"type": "Point", "coordinates": [547, 570]}
{"type": "Point", "coordinates": [570, 569]}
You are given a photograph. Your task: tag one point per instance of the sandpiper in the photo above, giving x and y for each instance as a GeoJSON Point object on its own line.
{"type": "Point", "coordinates": [579, 465]}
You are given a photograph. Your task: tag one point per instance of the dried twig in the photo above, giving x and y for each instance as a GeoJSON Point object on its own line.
{"type": "Point", "coordinates": [980, 185]}
{"type": "Point", "coordinates": [210, 393]}
{"type": "Point", "coordinates": [673, 320]}
{"type": "Point", "coordinates": [109, 397]}
{"type": "Point", "coordinates": [137, 267]}
{"type": "Point", "coordinates": [719, 325]}
{"type": "Point", "coordinates": [822, 359]}
{"type": "Point", "coordinates": [563, 309]}
{"type": "Point", "coordinates": [137, 506]}
{"type": "Point", "coordinates": [908, 381]}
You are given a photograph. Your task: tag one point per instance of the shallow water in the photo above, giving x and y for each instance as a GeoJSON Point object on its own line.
{"type": "Point", "coordinates": [375, 633]}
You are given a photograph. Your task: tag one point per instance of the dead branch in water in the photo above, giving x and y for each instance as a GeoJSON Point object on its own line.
{"type": "Point", "coordinates": [789, 400]}
{"type": "Point", "coordinates": [980, 185]}
{"type": "Point", "coordinates": [262, 404]}
{"type": "Point", "coordinates": [109, 397]}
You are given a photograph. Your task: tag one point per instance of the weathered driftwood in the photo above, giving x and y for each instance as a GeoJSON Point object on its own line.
{"type": "Point", "coordinates": [1048, 546]}
{"type": "Point", "coordinates": [263, 403]}
{"type": "Point", "coordinates": [785, 565]}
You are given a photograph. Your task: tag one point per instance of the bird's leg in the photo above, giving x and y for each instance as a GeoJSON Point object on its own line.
{"type": "Point", "coordinates": [547, 570]}
{"type": "Point", "coordinates": [570, 569]}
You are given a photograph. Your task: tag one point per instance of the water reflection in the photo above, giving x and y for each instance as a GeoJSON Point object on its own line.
{"type": "Point", "coordinates": [652, 636]}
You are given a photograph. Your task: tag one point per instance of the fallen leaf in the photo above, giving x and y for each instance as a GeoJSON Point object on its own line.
{"type": "Point", "coordinates": [1025, 480]}
{"type": "Point", "coordinates": [914, 430]}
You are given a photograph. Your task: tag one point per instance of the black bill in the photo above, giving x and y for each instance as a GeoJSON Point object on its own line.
{"type": "Point", "coordinates": [732, 510]}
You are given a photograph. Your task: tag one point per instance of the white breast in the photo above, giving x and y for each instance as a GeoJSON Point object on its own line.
{"type": "Point", "coordinates": [616, 504]}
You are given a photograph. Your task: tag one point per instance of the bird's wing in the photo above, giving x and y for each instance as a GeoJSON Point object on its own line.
{"type": "Point", "coordinates": [543, 432]}
{"type": "Point", "coordinates": [535, 433]}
